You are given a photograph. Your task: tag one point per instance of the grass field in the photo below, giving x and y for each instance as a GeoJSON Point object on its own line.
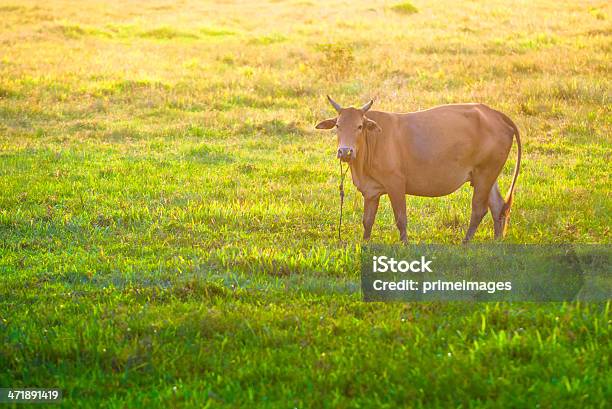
{"type": "Point", "coordinates": [167, 210]}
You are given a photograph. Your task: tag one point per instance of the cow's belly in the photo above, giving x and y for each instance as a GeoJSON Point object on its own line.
{"type": "Point", "coordinates": [434, 182]}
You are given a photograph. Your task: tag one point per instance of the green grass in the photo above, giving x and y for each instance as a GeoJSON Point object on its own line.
{"type": "Point", "coordinates": [404, 8]}
{"type": "Point", "coordinates": [166, 33]}
{"type": "Point", "coordinates": [167, 212]}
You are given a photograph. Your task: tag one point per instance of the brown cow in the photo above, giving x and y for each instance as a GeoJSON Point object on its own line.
{"type": "Point", "coordinates": [427, 153]}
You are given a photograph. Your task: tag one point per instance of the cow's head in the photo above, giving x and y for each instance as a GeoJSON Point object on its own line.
{"type": "Point", "coordinates": [351, 124]}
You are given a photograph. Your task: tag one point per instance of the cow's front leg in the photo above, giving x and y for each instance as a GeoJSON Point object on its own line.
{"type": "Point", "coordinates": [398, 202]}
{"type": "Point", "coordinates": [370, 207]}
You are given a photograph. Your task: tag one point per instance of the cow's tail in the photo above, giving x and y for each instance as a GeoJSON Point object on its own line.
{"type": "Point", "coordinates": [505, 213]}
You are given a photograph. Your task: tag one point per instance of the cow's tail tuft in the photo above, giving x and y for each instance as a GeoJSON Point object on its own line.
{"type": "Point", "coordinates": [505, 213]}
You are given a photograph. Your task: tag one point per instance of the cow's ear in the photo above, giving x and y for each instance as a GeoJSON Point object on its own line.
{"type": "Point", "coordinates": [372, 126]}
{"type": "Point", "coordinates": [327, 124]}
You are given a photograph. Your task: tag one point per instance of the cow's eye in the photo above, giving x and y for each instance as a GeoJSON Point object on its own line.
{"type": "Point", "coordinates": [360, 127]}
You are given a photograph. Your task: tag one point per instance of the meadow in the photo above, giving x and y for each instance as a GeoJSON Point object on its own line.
{"type": "Point", "coordinates": [168, 212]}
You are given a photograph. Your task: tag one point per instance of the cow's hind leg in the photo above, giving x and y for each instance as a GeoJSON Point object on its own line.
{"type": "Point", "coordinates": [370, 207]}
{"type": "Point", "coordinates": [496, 205]}
{"type": "Point", "coordinates": [480, 203]}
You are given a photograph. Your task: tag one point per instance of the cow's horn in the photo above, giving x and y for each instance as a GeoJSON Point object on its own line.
{"type": "Point", "coordinates": [337, 107]}
{"type": "Point", "coordinates": [367, 106]}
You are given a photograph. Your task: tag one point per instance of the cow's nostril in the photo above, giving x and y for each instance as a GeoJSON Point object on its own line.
{"type": "Point", "coordinates": [344, 153]}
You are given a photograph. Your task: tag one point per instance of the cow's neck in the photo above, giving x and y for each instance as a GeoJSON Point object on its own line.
{"type": "Point", "coordinates": [359, 165]}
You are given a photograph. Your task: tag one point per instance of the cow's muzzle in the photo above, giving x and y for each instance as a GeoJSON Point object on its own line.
{"type": "Point", "coordinates": [345, 154]}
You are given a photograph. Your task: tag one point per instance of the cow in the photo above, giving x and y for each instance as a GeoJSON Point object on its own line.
{"type": "Point", "coordinates": [428, 153]}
